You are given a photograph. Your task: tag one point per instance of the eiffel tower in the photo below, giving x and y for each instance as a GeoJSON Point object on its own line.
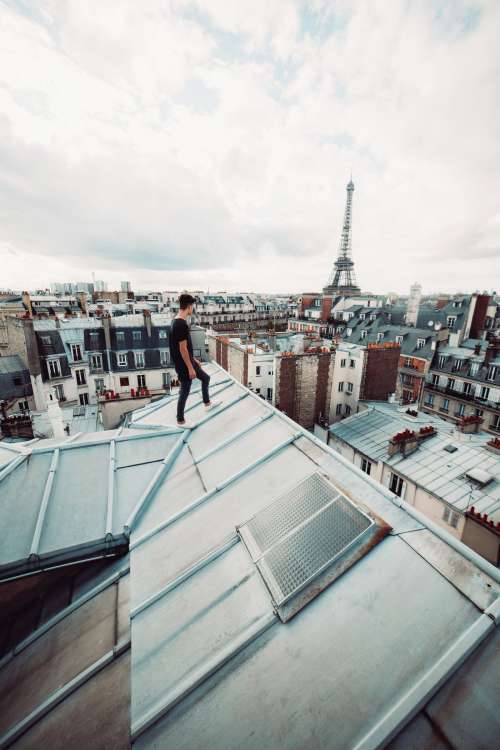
{"type": "Point", "coordinates": [342, 280]}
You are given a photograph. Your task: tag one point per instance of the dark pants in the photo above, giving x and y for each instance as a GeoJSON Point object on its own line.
{"type": "Point", "coordinates": [185, 382]}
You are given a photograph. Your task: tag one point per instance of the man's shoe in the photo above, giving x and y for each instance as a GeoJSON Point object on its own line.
{"type": "Point", "coordinates": [212, 405]}
{"type": "Point", "coordinates": [185, 425]}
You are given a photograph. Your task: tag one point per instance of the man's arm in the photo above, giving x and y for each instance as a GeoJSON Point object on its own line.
{"type": "Point", "coordinates": [183, 348]}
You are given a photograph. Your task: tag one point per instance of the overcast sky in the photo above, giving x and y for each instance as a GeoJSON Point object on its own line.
{"type": "Point", "coordinates": [208, 143]}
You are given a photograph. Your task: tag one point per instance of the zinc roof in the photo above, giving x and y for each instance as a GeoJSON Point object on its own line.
{"type": "Point", "coordinates": [430, 466]}
{"type": "Point", "coordinates": [211, 663]}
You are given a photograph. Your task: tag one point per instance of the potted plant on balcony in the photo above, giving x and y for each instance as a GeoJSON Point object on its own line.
{"type": "Point", "coordinates": [493, 445]}
{"type": "Point", "coordinates": [470, 424]}
{"type": "Point", "coordinates": [426, 432]}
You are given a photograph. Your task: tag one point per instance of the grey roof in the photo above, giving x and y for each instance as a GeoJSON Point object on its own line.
{"type": "Point", "coordinates": [409, 345]}
{"type": "Point", "coordinates": [211, 663]}
{"type": "Point", "coordinates": [12, 364]}
{"type": "Point", "coordinates": [430, 467]}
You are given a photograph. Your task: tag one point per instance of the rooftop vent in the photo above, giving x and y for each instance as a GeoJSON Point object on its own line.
{"type": "Point", "coordinates": [450, 448]}
{"type": "Point", "coordinates": [479, 476]}
{"type": "Point", "coordinates": [300, 538]}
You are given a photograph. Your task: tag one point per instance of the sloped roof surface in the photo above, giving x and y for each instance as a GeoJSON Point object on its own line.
{"type": "Point", "coordinates": [211, 663]}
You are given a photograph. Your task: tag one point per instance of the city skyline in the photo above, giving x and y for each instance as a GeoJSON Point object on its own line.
{"type": "Point", "coordinates": [192, 145]}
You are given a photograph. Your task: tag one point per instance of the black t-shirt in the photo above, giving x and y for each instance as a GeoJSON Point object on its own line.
{"type": "Point", "coordinates": [179, 331]}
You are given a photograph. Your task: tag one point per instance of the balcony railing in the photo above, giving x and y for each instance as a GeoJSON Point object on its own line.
{"type": "Point", "coordinates": [468, 397]}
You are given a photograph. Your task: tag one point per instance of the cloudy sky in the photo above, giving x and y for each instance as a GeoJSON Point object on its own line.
{"type": "Point", "coordinates": [208, 143]}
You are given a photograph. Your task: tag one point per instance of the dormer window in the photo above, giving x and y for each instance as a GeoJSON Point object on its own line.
{"type": "Point", "coordinates": [420, 343]}
{"type": "Point", "coordinates": [399, 339]}
{"type": "Point", "coordinates": [380, 336]}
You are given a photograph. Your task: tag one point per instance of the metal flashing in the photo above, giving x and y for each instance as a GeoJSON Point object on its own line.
{"type": "Point", "coordinates": [427, 686]}
{"type": "Point", "coordinates": [207, 495]}
{"type": "Point", "coordinates": [35, 544]}
{"type": "Point", "coordinates": [152, 487]}
{"type": "Point", "coordinates": [195, 678]}
{"type": "Point", "coordinates": [234, 437]}
{"type": "Point", "coordinates": [15, 732]}
{"type": "Point", "coordinates": [67, 611]}
{"type": "Point", "coordinates": [111, 488]}
{"type": "Point", "coordinates": [187, 573]}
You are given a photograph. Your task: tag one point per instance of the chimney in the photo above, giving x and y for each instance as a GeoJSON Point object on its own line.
{"type": "Point", "coordinates": [55, 416]}
{"type": "Point", "coordinates": [477, 349]}
{"type": "Point", "coordinates": [147, 321]}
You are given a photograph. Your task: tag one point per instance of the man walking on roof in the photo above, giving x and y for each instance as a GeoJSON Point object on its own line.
{"type": "Point", "coordinates": [186, 365]}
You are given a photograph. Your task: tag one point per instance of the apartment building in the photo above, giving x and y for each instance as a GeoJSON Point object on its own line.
{"type": "Point", "coordinates": [450, 475]}
{"type": "Point", "coordinates": [78, 360]}
{"type": "Point", "coordinates": [292, 371]}
{"type": "Point", "coordinates": [464, 382]}
{"type": "Point", "coordinates": [230, 312]}
{"type": "Point", "coordinates": [362, 373]}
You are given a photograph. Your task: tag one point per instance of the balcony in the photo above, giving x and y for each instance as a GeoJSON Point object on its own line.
{"type": "Point", "coordinates": [467, 397]}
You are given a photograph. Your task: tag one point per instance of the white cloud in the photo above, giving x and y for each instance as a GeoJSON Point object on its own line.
{"type": "Point", "coordinates": [212, 140]}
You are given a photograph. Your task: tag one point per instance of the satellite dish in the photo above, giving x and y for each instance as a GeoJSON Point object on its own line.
{"type": "Point", "coordinates": [438, 327]}
{"type": "Point", "coordinates": [430, 323]}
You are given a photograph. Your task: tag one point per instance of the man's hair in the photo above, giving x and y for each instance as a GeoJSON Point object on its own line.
{"type": "Point", "coordinates": [185, 300]}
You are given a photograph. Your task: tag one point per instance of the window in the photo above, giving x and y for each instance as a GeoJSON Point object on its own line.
{"type": "Point", "coordinates": [363, 334]}
{"type": "Point", "coordinates": [457, 364]}
{"type": "Point", "coordinates": [380, 336]}
{"type": "Point", "coordinates": [76, 352]}
{"type": "Point", "coordinates": [99, 385]}
{"type": "Point", "coordinates": [349, 331]}
{"type": "Point", "coordinates": [54, 369]}
{"type": "Point", "coordinates": [450, 517]}
{"type": "Point", "coordinates": [352, 363]}
{"type": "Point", "coordinates": [338, 410]}
{"type": "Point", "coordinates": [350, 387]}
{"type": "Point", "coordinates": [120, 337]}
{"type": "Point", "coordinates": [59, 389]}
{"type": "Point", "coordinates": [84, 398]}
{"type": "Point", "coordinates": [80, 377]}
{"type": "Point", "coordinates": [139, 359]}
{"type": "Point", "coordinates": [484, 393]}
{"type": "Point", "coordinates": [492, 373]}
{"type": "Point", "coordinates": [366, 466]}
{"type": "Point", "coordinates": [46, 341]}
{"type": "Point", "coordinates": [23, 406]}
{"type": "Point", "coordinates": [450, 321]}
{"type": "Point", "coordinates": [96, 361]}
{"type": "Point", "coordinates": [461, 410]}
{"type": "Point", "coordinates": [162, 333]}
{"type": "Point", "coordinates": [164, 358]}
{"type": "Point", "coordinates": [445, 405]}
{"type": "Point", "coordinates": [420, 343]}
{"type": "Point", "coordinates": [467, 389]}
{"type": "Point", "coordinates": [341, 386]}
{"type": "Point", "coordinates": [257, 370]}
{"type": "Point", "coordinates": [124, 382]}
{"type": "Point", "coordinates": [269, 394]}
{"type": "Point", "coordinates": [141, 381]}
{"type": "Point", "coordinates": [94, 336]}
{"type": "Point", "coordinates": [435, 379]}
{"type": "Point", "coordinates": [137, 335]}
{"type": "Point", "coordinates": [451, 384]}
{"type": "Point", "coordinates": [495, 424]}
{"type": "Point", "coordinates": [474, 368]}
{"type": "Point", "coordinates": [396, 485]}
{"type": "Point", "coordinates": [429, 399]}
{"type": "Point", "coordinates": [441, 361]}
{"type": "Point", "coordinates": [342, 362]}
{"type": "Point", "coordinates": [479, 412]}
{"type": "Point", "coordinates": [347, 410]}
{"type": "Point", "coordinates": [166, 379]}
{"type": "Point", "coordinates": [399, 339]}
{"type": "Point", "coordinates": [122, 360]}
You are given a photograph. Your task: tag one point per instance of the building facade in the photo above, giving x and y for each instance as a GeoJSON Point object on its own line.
{"type": "Point", "coordinates": [464, 382]}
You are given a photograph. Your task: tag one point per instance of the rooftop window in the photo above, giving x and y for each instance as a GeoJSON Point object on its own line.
{"type": "Point", "coordinates": [296, 541]}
